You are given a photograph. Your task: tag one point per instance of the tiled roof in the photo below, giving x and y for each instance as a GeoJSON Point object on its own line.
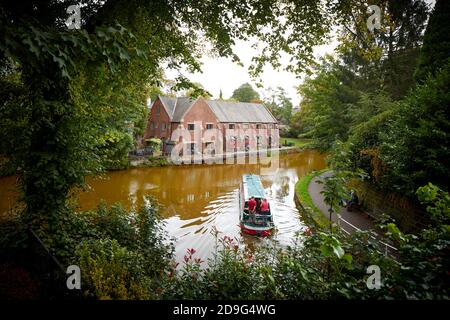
{"type": "Point", "coordinates": [169, 104]}
{"type": "Point", "coordinates": [225, 111]}
{"type": "Point", "coordinates": [181, 107]}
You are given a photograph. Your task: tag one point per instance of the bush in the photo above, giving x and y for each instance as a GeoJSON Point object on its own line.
{"type": "Point", "coordinates": [129, 255]}
{"type": "Point", "coordinates": [157, 162]}
{"type": "Point", "coordinates": [111, 271]}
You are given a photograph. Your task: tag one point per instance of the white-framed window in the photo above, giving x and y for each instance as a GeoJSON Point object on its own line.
{"type": "Point", "coordinates": [258, 140]}
{"type": "Point", "coordinates": [258, 126]}
{"type": "Point", "coordinates": [231, 126]}
{"type": "Point", "coordinates": [269, 126]}
{"type": "Point", "coordinates": [191, 126]}
{"type": "Point", "coordinates": [245, 126]}
{"type": "Point", "coordinates": [209, 126]}
{"type": "Point", "coordinates": [193, 147]}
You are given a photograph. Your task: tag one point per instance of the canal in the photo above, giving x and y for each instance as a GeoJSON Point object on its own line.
{"type": "Point", "coordinates": [198, 198]}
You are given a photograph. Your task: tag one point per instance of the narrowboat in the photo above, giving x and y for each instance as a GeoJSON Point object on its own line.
{"type": "Point", "coordinates": [259, 223]}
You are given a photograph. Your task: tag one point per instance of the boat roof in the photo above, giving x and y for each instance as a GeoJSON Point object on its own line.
{"type": "Point", "coordinates": [252, 186]}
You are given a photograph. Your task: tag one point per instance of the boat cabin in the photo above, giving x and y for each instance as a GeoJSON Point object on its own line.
{"type": "Point", "coordinates": [259, 222]}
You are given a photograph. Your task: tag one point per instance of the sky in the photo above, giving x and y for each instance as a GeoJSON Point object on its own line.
{"type": "Point", "coordinates": [223, 74]}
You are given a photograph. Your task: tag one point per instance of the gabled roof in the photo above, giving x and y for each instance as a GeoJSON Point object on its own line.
{"type": "Point", "coordinates": [169, 104]}
{"type": "Point", "coordinates": [225, 111]}
{"type": "Point", "coordinates": [182, 106]}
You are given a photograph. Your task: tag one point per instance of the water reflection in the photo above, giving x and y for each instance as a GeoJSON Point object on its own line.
{"type": "Point", "coordinates": [198, 198]}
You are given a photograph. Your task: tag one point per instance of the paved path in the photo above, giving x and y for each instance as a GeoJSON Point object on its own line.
{"type": "Point", "coordinates": [350, 221]}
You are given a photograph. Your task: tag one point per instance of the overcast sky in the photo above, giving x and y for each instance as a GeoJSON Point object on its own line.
{"type": "Point", "coordinates": [222, 74]}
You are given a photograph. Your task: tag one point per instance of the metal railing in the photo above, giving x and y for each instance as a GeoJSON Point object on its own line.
{"type": "Point", "coordinates": [50, 269]}
{"type": "Point", "coordinates": [388, 249]}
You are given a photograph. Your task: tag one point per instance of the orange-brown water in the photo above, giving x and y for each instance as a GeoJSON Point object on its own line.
{"type": "Point", "coordinates": [198, 198]}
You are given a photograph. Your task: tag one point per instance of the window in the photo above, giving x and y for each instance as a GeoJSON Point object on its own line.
{"type": "Point", "coordinates": [163, 126]}
{"type": "Point", "coordinates": [156, 125]}
{"type": "Point", "coordinates": [269, 126]}
{"type": "Point", "coordinates": [209, 146]}
{"type": "Point", "coordinates": [245, 126]}
{"type": "Point", "coordinates": [258, 126]}
{"type": "Point", "coordinates": [191, 126]}
{"type": "Point", "coordinates": [209, 126]}
{"type": "Point", "coordinates": [158, 110]}
{"type": "Point", "coordinates": [152, 125]}
{"type": "Point", "coordinates": [192, 147]}
{"type": "Point", "coordinates": [231, 126]}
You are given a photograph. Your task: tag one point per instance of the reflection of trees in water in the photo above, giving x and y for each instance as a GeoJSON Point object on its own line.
{"type": "Point", "coordinates": [282, 187]}
{"type": "Point", "coordinates": [188, 189]}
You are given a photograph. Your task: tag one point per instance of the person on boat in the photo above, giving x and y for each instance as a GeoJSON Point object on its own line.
{"type": "Point", "coordinates": [258, 206]}
{"type": "Point", "coordinates": [264, 206]}
{"type": "Point", "coordinates": [252, 207]}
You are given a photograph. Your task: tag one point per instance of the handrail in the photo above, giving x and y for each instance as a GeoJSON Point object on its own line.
{"type": "Point", "coordinates": [357, 229]}
{"type": "Point", "coordinates": [47, 250]}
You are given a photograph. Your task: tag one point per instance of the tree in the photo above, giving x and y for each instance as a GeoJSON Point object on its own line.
{"type": "Point", "coordinates": [280, 105]}
{"type": "Point", "coordinates": [63, 89]}
{"type": "Point", "coordinates": [436, 44]}
{"type": "Point", "coordinates": [245, 93]}
{"type": "Point", "coordinates": [325, 103]}
{"type": "Point", "coordinates": [197, 90]}
{"type": "Point", "coordinates": [414, 148]}
{"type": "Point", "coordinates": [384, 58]}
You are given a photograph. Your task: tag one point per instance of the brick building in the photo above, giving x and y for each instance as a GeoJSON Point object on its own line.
{"type": "Point", "coordinates": [238, 125]}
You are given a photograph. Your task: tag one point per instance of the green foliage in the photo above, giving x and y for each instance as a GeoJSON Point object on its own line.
{"type": "Point", "coordinates": [425, 259]}
{"type": "Point", "coordinates": [436, 42]}
{"type": "Point", "coordinates": [438, 202]}
{"type": "Point", "coordinates": [196, 90]}
{"type": "Point", "coordinates": [280, 105]}
{"type": "Point", "coordinates": [156, 162]}
{"type": "Point", "coordinates": [414, 147]}
{"type": "Point", "coordinates": [245, 93]}
{"type": "Point", "coordinates": [114, 146]}
{"type": "Point", "coordinates": [111, 271]}
{"type": "Point", "coordinates": [325, 105]}
{"type": "Point", "coordinates": [65, 92]}
{"type": "Point", "coordinates": [125, 254]}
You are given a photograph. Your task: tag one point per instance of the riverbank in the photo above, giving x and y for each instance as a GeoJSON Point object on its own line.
{"type": "Point", "coordinates": [162, 161]}
{"type": "Point", "coordinates": [310, 200]}
{"type": "Point", "coordinates": [312, 215]}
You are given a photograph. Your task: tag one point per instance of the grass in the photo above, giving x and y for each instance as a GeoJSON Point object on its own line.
{"type": "Point", "coordinates": [297, 142]}
{"type": "Point", "coordinates": [301, 189]}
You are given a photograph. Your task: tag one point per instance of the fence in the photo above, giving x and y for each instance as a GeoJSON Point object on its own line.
{"type": "Point", "coordinates": [383, 247]}
{"type": "Point", "coordinates": [49, 269]}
